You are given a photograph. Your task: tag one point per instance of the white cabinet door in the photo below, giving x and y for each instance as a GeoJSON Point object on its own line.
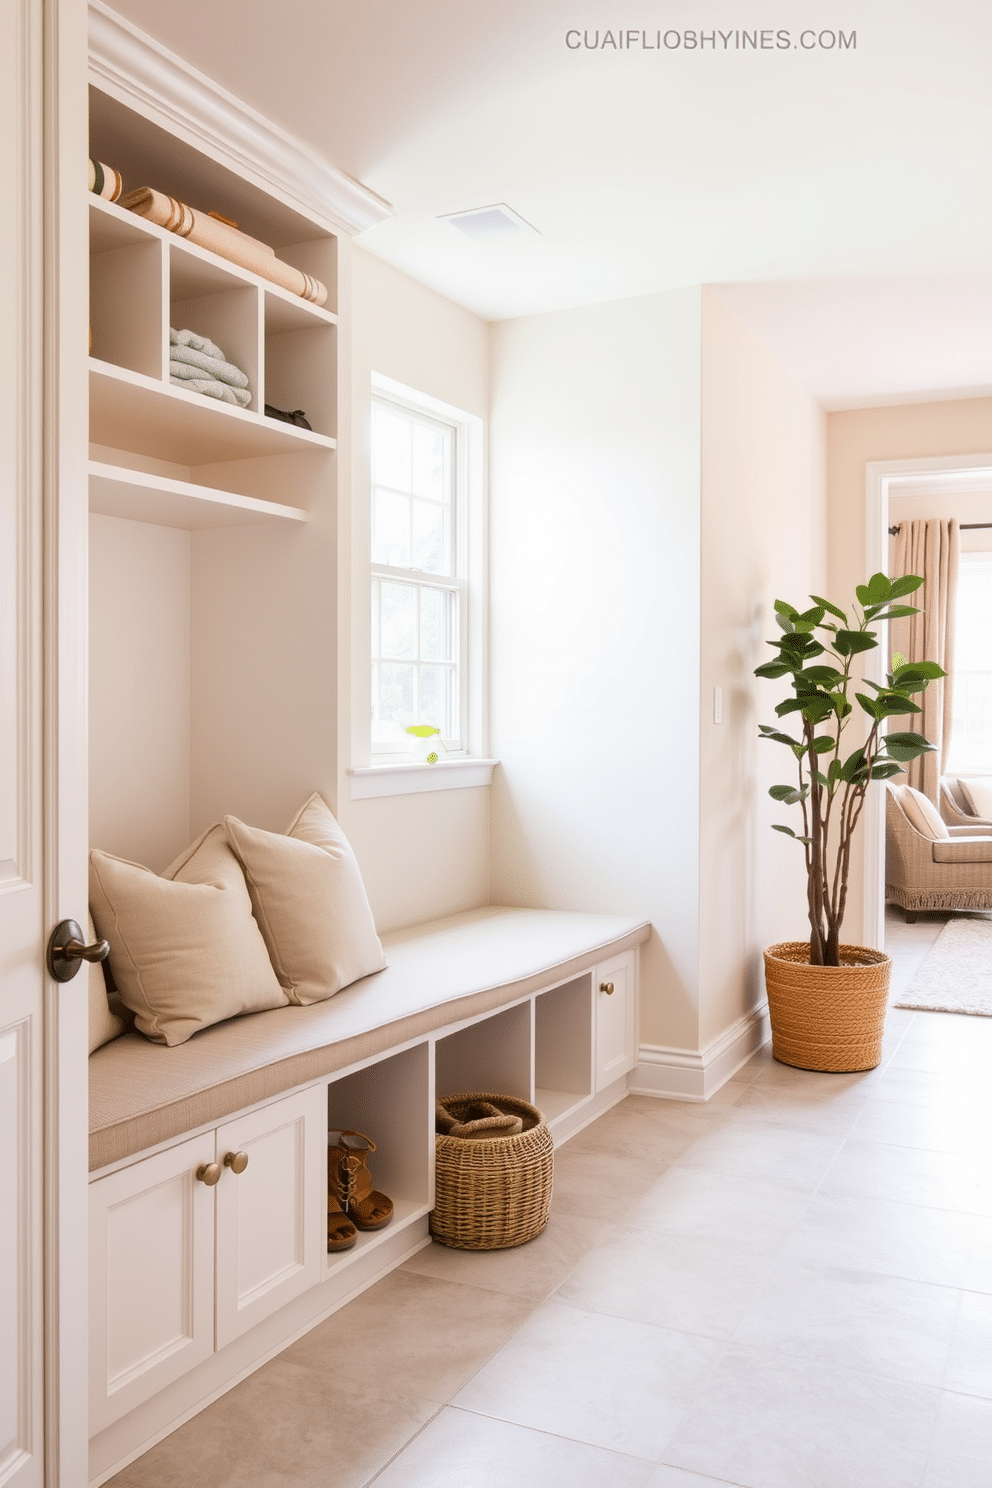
{"type": "Point", "coordinates": [616, 1018]}
{"type": "Point", "coordinates": [271, 1217]}
{"type": "Point", "coordinates": [151, 1267]}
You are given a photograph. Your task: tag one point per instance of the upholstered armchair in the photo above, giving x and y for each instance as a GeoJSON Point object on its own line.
{"type": "Point", "coordinates": [930, 864]}
{"type": "Point", "coordinates": [955, 807]}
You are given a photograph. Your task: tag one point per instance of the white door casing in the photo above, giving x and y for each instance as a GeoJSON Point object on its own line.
{"type": "Point", "coordinates": [42, 746]}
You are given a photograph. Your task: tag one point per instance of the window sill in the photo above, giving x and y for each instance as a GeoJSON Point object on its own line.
{"type": "Point", "coordinates": [408, 779]}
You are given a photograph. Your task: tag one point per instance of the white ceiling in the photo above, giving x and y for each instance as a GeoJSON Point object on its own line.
{"type": "Point", "coordinates": [842, 198]}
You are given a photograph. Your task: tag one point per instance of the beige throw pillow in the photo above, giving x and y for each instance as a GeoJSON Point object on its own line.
{"type": "Point", "coordinates": [923, 814]}
{"type": "Point", "coordinates": [105, 1024]}
{"type": "Point", "coordinates": [185, 949]}
{"type": "Point", "coordinates": [308, 897]}
{"type": "Point", "coordinates": [978, 794]}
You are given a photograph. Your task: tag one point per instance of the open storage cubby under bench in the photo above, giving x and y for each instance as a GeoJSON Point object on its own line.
{"type": "Point", "coordinates": [194, 1286]}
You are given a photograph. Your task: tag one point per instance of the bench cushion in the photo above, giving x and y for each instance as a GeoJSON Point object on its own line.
{"type": "Point", "coordinates": [143, 1093]}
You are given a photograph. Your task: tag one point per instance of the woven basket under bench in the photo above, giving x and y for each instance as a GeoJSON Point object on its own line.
{"type": "Point", "coordinates": [496, 1193]}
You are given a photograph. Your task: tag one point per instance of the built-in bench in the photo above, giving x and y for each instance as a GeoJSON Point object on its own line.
{"type": "Point", "coordinates": [143, 1093]}
{"type": "Point", "coordinates": [194, 1283]}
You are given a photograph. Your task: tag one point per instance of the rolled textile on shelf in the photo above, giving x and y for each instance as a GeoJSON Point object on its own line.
{"type": "Point", "coordinates": [228, 242]}
{"type": "Point", "coordinates": [208, 386]}
{"type": "Point", "coordinates": [199, 362]}
{"type": "Point", "coordinates": [105, 181]}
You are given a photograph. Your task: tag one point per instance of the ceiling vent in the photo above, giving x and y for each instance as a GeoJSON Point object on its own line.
{"type": "Point", "coordinates": [498, 221]}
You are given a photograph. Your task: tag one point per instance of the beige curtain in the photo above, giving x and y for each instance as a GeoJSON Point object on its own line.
{"type": "Point", "coordinates": [929, 548]}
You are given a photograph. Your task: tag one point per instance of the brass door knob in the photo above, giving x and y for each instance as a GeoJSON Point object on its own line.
{"type": "Point", "coordinates": [208, 1173]}
{"type": "Point", "coordinates": [236, 1161]}
{"type": "Point", "coordinates": [606, 987]}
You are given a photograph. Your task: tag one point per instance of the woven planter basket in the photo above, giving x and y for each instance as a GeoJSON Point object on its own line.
{"type": "Point", "coordinates": [492, 1194]}
{"type": "Point", "coordinates": [827, 1017]}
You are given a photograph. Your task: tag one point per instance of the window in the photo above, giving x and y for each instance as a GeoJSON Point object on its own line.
{"type": "Point", "coordinates": [419, 581]}
{"type": "Point", "coordinates": [971, 732]}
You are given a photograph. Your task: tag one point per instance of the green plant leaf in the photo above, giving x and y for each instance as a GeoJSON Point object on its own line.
{"type": "Point", "coordinates": [770, 733]}
{"type": "Point", "coordinates": [849, 642]}
{"type": "Point", "coordinates": [885, 769]}
{"type": "Point", "coordinates": [908, 584]}
{"type": "Point", "coordinates": [824, 676]}
{"type": "Point", "coordinates": [894, 702]}
{"type": "Point", "coordinates": [853, 766]}
{"type": "Point", "coordinates": [879, 588]}
{"type": "Point", "coordinates": [823, 744]}
{"type": "Point", "coordinates": [777, 827]}
{"type": "Point", "coordinates": [772, 669]}
{"type": "Point", "coordinates": [894, 612]}
{"type": "Point", "coordinates": [783, 607]}
{"type": "Point", "coordinates": [830, 608]}
{"type": "Point", "coordinates": [871, 707]}
{"type": "Point", "coordinates": [836, 772]}
{"type": "Point", "coordinates": [787, 793]}
{"type": "Point", "coordinates": [906, 746]}
{"type": "Point", "coordinates": [916, 671]}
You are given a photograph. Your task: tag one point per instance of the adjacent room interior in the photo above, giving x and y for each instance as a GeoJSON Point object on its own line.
{"type": "Point", "coordinates": [515, 656]}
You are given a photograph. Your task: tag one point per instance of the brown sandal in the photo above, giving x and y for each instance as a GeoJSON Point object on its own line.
{"type": "Point", "coordinates": [341, 1233]}
{"type": "Point", "coordinates": [350, 1182]}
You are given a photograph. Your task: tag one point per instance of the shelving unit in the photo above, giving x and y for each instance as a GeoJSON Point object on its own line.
{"type": "Point", "coordinates": [241, 617]}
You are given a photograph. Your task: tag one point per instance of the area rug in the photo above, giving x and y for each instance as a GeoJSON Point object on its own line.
{"type": "Point", "coordinates": [956, 977]}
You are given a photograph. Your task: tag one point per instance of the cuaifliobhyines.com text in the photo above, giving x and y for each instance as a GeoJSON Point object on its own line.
{"type": "Point", "coordinates": [741, 39]}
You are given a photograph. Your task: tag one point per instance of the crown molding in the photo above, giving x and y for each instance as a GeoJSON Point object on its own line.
{"type": "Point", "coordinates": [138, 71]}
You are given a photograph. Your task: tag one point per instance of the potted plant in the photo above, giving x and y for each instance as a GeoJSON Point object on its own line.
{"type": "Point", "coordinates": [827, 1000]}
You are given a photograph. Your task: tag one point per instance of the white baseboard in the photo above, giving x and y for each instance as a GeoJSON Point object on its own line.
{"type": "Point", "coordinates": [696, 1074]}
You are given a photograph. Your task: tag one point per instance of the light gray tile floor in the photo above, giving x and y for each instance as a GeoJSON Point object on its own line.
{"type": "Point", "coordinates": [789, 1287]}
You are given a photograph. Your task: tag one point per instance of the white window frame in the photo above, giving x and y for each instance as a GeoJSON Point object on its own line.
{"type": "Point", "coordinates": [954, 764]}
{"type": "Point", "coordinates": [455, 583]}
{"type": "Point", "coordinates": [378, 772]}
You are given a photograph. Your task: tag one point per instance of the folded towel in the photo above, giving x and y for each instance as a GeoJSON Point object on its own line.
{"type": "Point", "coordinates": [105, 181]}
{"type": "Point", "coordinates": [211, 388]}
{"type": "Point", "coordinates": [213, 366]}
{"type": "Point", "coordinates": [198, 343]}
{"type": "Point", "coordinates": [226, 241]}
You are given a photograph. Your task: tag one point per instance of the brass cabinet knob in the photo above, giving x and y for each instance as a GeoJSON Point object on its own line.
{"type": "Point", "coordinates": [208, 1173]}
{"type": "Point", "coordinates": [606, 987]}
{"type": "Point", "coordinates": [236, 1161]}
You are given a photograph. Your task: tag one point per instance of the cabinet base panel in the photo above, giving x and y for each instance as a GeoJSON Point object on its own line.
{"type": "Point", "coordinates": [120, 1444]}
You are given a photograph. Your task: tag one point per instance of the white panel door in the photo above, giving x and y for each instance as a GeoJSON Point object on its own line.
{"type": "Point", "coordinates": [271, 1223]}
{"type": "Point", "coordinates": [42, 753]}
{"type": "Point", "coordinates": [616, 1018]}
{"type": "Point", "coordinates": [151, 1270]}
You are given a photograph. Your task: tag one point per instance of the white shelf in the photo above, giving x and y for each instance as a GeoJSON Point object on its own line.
{"type": "Point", "coordinates": [557, 1103]}
{"type": "Point", "coordinates": [141, 497]}
{"type": "Point", "coordinates": [112, 227]}
{"type": "Point", "coordinates": [131, 411]}
{"type": "Point", "coordinates": [405, 1212]}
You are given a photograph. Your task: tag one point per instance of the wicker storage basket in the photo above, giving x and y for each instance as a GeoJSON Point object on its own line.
{"type": "Point", "coordinates": [495, 1193]}
{"type": "Point", "coordinates": [827, 1017]}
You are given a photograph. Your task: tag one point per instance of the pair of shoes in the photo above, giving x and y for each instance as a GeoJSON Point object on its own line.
{"type": "Point", "coordinates": [341, 1233]}
{"type": "Point", "coordinates": [478, 1121]}
{"type": "Point", "coordinates": [297, 416]}
{"type": "Point", "coordinates": [349, 1184]}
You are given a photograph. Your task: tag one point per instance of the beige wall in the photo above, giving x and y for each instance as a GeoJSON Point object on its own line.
{"type": "Point", "coordinates": [139, 755]}
{"type": "Point", "coordinates": [422, 856]}
{"type": "Point", "coordinates": [855, 438]}
{"type": "Point", "coordinates": [762, 538]}
{"type": "Point", "coordinates": [595, 432]}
